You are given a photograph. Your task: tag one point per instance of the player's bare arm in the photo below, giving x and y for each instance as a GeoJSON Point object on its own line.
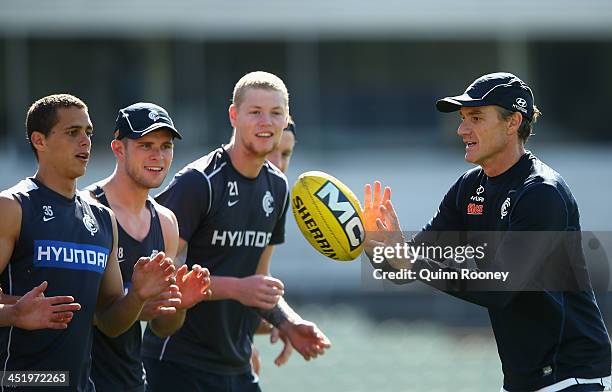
{"type": "Point", "coordinates": [116, 312]}
{"type": "Point", "coordinates": [265, 328]}
{"type": "Point", "coordinates": [192, 285]}
{"type": "Point", "coordinates": [33, 310]}
{"type": "Point", "coordinates": [303, 335]}
{"type": "Point", "coordinates": [10, 226]}
{"type": "Point", "coordinates": [260, 290]}
{"type": "Point", "coordinates": [165, 302]}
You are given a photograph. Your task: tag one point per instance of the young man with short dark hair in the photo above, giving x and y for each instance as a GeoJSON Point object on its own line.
{"type": "Point", "coordinates": [143, 146]}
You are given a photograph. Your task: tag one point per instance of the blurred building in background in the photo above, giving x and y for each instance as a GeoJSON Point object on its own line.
{"type": "Point", "coordinates": [353, 67]}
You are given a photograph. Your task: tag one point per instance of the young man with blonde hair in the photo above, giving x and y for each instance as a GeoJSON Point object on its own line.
{"type": "Point", "coordinates": [231, 206]}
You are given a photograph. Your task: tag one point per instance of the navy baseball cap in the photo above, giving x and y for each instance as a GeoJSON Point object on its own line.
{"type": "Point", "coordinates": [501, 88]}
{"type": "Point", "coordinates": [142, 118]}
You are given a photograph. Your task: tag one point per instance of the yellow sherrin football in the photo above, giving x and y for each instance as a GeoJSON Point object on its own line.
{"type": "Point", "coordinates": [329, 215]}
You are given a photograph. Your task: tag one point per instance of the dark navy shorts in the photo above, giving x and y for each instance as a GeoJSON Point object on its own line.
{"type": "Point", "coordinates": [164, 376]}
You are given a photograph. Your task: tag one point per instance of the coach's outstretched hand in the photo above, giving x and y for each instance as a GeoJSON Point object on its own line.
{"type": "Point", "coordinates": [305, 337]}
{"type": "Point", "coordinates": [372, 201]}
{"type": "Point", "coordinates": [152, 276]}
{"type": "Point", "coordinates": [35, 311]}
{"type": "Point", "coordinates": [382, 225]}
{"type": "Point", "coordinates": [193, 285]}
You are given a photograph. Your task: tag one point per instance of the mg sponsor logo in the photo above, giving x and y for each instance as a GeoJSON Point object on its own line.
{"type": "Point", "coordinates": [344, 212]}
{"type": "Point", "coordinates": [474, 209]}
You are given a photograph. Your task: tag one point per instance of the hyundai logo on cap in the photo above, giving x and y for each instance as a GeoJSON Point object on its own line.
{"type": "Point", "coordinates": [501, 88]}
{"type": "Point", "coordinates": [142, 118]}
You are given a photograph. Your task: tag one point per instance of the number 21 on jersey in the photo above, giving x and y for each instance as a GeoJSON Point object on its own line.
{"type": "Point", "coordinates": [233, 188]}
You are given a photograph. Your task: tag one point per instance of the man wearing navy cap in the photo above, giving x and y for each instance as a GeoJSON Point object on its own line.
{"type": "Point", "coordinates": [549, 331]}
{"type": "Point", "coordinates": [143, 146]}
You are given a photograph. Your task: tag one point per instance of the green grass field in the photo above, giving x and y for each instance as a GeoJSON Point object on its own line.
{"type": "Point", "coordinates": [386, 356]}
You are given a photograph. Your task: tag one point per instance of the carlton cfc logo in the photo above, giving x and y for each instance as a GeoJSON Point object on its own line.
{"type": "Point", "coordinates": [267, 203]}
{"type": "Point", "coordinates": [90, 224]}
{"type": "Point", "coordinates": [504, 208]}
{"type": "Point", "coordinates": [153, 115]}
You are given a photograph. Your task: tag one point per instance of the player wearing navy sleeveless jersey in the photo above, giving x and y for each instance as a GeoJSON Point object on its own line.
{"type": "Point", "coordinates": [231, 207]}
{"type": "Point", "coordinates": [143, 146]}
{"type": "Point", "coordinates": [548, 328]}
{"type": "Point", "coordinates": [51, 233]}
